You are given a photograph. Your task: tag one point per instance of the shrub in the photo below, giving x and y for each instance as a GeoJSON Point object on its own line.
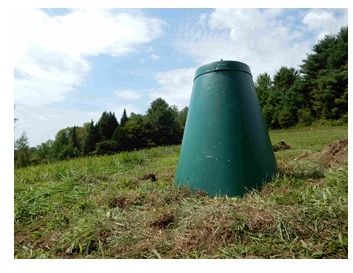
{"type": "Point", "coordinates": [106, 147]}
{"type": "Point", "coordinates": [285, 119]}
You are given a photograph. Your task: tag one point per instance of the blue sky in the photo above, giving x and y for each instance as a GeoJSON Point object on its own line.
{"type": "Point", "coordinates": [71, 65]}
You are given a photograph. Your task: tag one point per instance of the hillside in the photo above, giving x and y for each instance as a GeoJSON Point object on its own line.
{"type": "Point", "coordinates": [111, 207]}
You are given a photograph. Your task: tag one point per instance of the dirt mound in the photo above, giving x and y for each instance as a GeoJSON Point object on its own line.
{"type": "Point", "coordinates": [163, 221]}
{"type": "Point", "coordinates": [150, 176]}
{"type": "Point", "coordinates": [120, 202]}
{"type": "Point", "coordinates": [280, 146]}
{"type": "Point", "coordinates": [332, 155]}
{"type": "Point", "coordinates": [336, 153]}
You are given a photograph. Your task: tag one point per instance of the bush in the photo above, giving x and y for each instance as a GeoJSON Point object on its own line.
{"type": "Point", "coordinates": [106, 147]}
{"type": "Point", "coordinates": [286, 119]}
{"type": "Point", "coordinates": [305, 117]}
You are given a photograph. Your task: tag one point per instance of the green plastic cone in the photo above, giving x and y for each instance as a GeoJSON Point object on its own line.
{"type": "Point", "coordinates": [226, 149]}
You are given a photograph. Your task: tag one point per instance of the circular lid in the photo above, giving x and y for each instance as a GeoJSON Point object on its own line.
{"type": "Point", "coordinates": [222, 65]}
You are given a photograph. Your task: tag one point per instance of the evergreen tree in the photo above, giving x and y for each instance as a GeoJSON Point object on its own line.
{"type": "Point", "coordinates": [263, 86]}
{"type": "Point", "coordinates": [123, 119]}
{"type": "Point", "coordinates": [181, 119]}
{"type": "Point", "coordinates": [284, 79]}
{"type": "Point", "coordinates": [107, 125]}
{"type": "Point", "coordinates": [326, 74]}
{"type": "Point", "coordinates": [121, 139]}
{"type": "Point", "coordinates": [89, 144]}
{"type": "Point", "coordinates": [74, 139]}
{"type": "Point", "coordinates": [134, 134]}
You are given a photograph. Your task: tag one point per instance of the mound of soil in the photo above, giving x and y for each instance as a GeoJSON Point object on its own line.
{"type": "Point", "coordinates": [336, 153]}
{"type": "Point", "coordinates": [163, 221]}
{"type": "Point", "coordinates": [120, 202]}
{"type": "Point", "coordinates": [280, 146]}
{"type": "Point", "coordinates": [150, 176]}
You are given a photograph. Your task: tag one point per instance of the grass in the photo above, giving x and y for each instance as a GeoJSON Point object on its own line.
{"type": "Point", "coordinates": [102, 207]}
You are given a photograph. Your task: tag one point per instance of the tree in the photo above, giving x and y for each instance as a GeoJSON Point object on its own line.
{"type": "Point", "coordinates": [284, 78]}
{"type": "Point", "coordinates": [123, 119]}
{"type": "Point", "coordinates": [74, 139]}
{"type": "Point", "coordinates": [280, 97]}
{"type": "Point", "coordinates": [107, 125]}
{"type": "Point", "coordinates": [263, 86]}
{"type": "Point", "coordinates": [181, 119]}
{"type": "Point", "coordinates": [43, 153]}
{"type": "Point", "coordinates": [22, 152]}
{"type": "Point", "coordinates": [61, 142]}
{"type": "Point", "coordinates": [106, 147]}
{"type": "Point", "coordinates": [134, 133]}
{"type": "Point", "coordinates": [161, 123]}
{"type": "Point", "coordinates": [89, 144]}
{"type": "Point", "coordinates": [271, 109]}
{"type": "Point", "coordinates": [285, 118]}
{"type": "Point", "coordinates": [326, 74]}
{"type": "Point", "coordinates": [82, 134]}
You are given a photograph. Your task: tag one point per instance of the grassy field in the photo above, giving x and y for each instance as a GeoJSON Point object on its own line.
{"type": "Point", "coordinates": [105, 207]}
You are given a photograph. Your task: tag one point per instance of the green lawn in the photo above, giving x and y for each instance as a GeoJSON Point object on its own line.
{"type": "Point", "coordinates": [101, 207]}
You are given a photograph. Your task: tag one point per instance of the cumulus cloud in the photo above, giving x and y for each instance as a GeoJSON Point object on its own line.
{"type": "Point", "coordinates": [51, 51]}
{"type": "Point", "coordinates": [254, 36]}
{"type": "Point", "coordinates": [154, 57]}
{"type": "Point", "coordinates": [127, 95]}
{"type": "Point", "coordinates": [266, 39]}
{"type": "Point", "coordinates": [325, 22]}
{"type": "Point", "coordinates": [174, 86]}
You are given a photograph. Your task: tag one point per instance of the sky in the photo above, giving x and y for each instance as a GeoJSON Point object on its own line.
{"type": "Point", "coordinates": [73, 64]}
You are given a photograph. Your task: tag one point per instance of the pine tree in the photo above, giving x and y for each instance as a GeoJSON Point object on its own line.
{"type": "Point", "coordinates": [123, 119]}
{"type": "Point", "coordinates": [326, 74]}
{"type": "Point", "coordinates": [74, 139]}
{"type": "Point", "coordinates": [263, 86]}
{"type": "Point", "coordinates": [91, 139]}
{"type": "Point", "coordinates": [107, 125]}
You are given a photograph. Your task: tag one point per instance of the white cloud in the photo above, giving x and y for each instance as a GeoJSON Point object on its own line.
{"type": "Point", "coordinates": [256, 37]}
{"type": "Point", "coordinates": [155, 57]}
{"type": "Point", "coordinates": [324, 22]}
{"type": "Point", "coordinates": [264, 39]}
{"type": "Point", "coordinates": [127, 95]}
{"type": "Point", "coordinates": [175, 86]}
{"type": "Point", "coordinates": [51, 52]}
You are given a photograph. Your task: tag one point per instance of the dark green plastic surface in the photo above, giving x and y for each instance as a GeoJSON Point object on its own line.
{"type": "Point", "coordinates": [226, 149]}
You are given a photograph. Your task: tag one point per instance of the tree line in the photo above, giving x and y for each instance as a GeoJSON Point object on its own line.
{"type": "Point", "coordinates": [317, 91]}
{"type": "Point", "coordinates": [161, 125]}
